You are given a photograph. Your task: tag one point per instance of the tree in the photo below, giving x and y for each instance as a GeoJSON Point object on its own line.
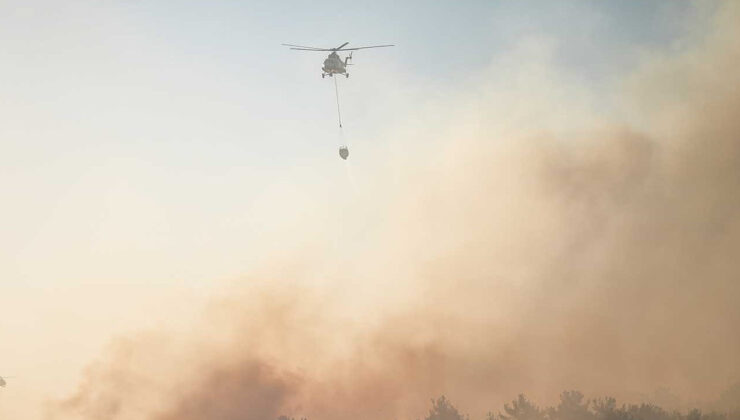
{"type": "Point", "coordinates": [606, 409]}
{"type": "Point", "coordinates": [442, 409]}
{"type": "Point", "coordinates": [571, 407]}
{"type": "Point", "coordinates": [648, 412]}
{"type": "Point", "coordinates": [522, 409]}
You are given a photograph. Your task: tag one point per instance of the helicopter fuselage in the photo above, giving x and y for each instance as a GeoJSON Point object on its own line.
{"type": "Point", "coordinates": [334, 65]}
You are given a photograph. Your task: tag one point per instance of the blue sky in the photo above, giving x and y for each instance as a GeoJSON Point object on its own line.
{"type": "Point", "coordinates": [449, 35]}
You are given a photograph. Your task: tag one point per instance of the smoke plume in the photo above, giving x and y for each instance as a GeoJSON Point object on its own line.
{"type": "Point", "coordinates": [537, 243]}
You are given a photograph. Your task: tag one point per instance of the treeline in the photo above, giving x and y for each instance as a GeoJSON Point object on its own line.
{"type": "Point", "coordinates": [573, 406]}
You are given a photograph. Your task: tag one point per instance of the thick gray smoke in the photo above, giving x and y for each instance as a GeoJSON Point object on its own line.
{"type": "Point", "coordinates": [592, 253]}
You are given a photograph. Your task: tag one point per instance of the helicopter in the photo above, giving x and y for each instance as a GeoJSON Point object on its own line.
{"type": "Point", "coordinates": [333, 64]}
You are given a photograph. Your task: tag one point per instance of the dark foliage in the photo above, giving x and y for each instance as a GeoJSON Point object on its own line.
{"type": "Point", "coordinates": [574, 406]}
{"type": "Point", "coordinates": [442, 409]}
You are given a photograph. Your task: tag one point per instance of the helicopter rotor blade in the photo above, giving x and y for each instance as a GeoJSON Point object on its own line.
{"type": "Point", "coordinates": [372, 46]}
{"type": "Point", "coordinates": [308, 48]}
{"type": "Point", "coordinates": [340, 47]}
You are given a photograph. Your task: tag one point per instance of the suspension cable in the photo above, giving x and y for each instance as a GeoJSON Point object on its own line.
{"type": "Point", "coordinates": [336, 90]}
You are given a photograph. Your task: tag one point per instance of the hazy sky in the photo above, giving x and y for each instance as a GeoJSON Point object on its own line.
{"type": "Point", "coordinates": [166, 120]}
{"type": "Point", "coordinates": [151, 150]}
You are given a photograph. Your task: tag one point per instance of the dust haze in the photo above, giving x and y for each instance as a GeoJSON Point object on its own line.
{"type": "Point", "coordinates": [545, 235]}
